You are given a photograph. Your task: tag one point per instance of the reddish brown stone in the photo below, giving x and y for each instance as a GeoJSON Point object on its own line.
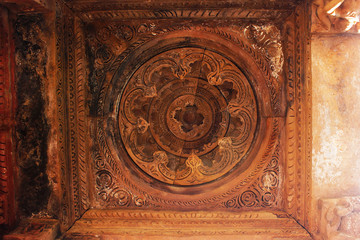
{"type": "Point", "coordinates": [7, 102]}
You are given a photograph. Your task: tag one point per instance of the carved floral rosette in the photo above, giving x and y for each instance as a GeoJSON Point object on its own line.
{"type": "Point", "coordinates": [184, 119]}
{"type": "Point", "coordinates": [187, 116]}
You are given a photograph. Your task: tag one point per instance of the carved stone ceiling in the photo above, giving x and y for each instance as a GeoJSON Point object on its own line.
{"type": "Point", "coordinates": [183, 109]}
{"type": "Point", "coordinates": [187, 102]}
{"type": "Point", "coordinates": [182, 105]}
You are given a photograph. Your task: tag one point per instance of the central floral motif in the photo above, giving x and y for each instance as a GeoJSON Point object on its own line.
{"type": "Point", "coordinates": [187, 116]}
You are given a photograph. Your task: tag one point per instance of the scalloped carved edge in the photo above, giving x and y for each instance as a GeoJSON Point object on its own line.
{"type": "Point", "coordinates": [298, 119]}
{"type": "Point", "coordinates": [71, 113]}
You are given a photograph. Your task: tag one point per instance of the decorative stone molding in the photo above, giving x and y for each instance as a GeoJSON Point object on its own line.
{"type": "Point", "coordinates": [72, 122]}
{"type": "Point", "coordinates": [140, 224]}
{"type": "Point", "coordinates": [298, 117]}
{"type": "Point", "coordinates": [340, 218]}
{"type": "Point", "coordinates": [336, 16]}
{"type": "Point", "coordinates": [234, 13]}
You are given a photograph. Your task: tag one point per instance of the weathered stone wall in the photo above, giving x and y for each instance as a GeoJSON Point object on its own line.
{"type": "Point", "coordinates": [31, 124]}
{"type": "Point", "coordinates": [336, 125]}
{"type": "Point", "coordinates": [336, 114]}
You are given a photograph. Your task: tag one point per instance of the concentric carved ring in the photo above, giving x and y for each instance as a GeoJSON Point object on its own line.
{"type": "Point", "coordinates": [187, 116]}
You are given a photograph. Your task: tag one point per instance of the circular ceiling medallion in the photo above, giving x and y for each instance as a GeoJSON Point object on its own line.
{"type": "Point", "coordinates": [187, 116]}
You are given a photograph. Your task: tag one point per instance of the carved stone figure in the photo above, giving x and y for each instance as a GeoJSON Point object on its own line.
{"type": "Point", "coordinates": [338, 15]}
{"type": "Point", "coordinates": [340, 218]}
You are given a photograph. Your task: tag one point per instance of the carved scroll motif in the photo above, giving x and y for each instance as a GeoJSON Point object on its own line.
{"type": "Point", "coordinates": [266, 38]}
{"type": "Point", "coordinates": [264, 190]}
{"type": "Point", "coordinates": [113, 195]}
{"type": "Point", "coordinates": [261, 41]}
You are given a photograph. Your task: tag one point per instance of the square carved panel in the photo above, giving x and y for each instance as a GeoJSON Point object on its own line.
{"type": "Point", "coordinates": [187, 115]}
{"type": "Point", "coordinates": [184, 109]}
